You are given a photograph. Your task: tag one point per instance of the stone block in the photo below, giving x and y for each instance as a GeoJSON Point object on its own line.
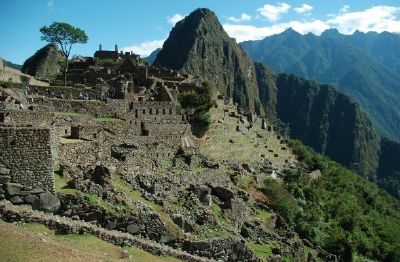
{"type": "Point", "coordinates": [30, 199]}
{"type": "Point", "coordinates": [4, 179]}
{"type": "Point", "coordinates": [4, 171]}
{"type": "Point", "coordinates": [47, 202]}
{"type": "Point", "coordinates": [13, 189]}
{"type": "Point", "coordinates": [16, 200]}
{"type": "Point", "coordinates": [133, 228]}
{"type": "Point", "coordinates": [36, 190]}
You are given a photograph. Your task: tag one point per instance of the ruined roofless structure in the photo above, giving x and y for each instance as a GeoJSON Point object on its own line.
{"type": "Point", "coordinates": [114, 55]}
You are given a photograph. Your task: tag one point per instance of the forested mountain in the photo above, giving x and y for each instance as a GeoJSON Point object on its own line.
{"type": "Point", "coordinates": [364, 66]}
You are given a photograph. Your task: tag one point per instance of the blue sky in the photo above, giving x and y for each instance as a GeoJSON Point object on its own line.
{"type": "Point", "coordinates": [142, 26]}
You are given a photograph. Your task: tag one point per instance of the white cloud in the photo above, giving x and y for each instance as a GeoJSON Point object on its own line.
{"type": "Point", "coordinates": [378, 18]}
{"type": "Point", "coordinates": [50, 4]}
{"type": "Point", "coordinates": [305, 8]}
{"type": "Point", "coordinates": [273, 12]}
{"type": "Point", "coordinates": [344, 9]}
{"type": "Point", "coordinates": [175, 18]}
{"type": "Point", "coordinates": [249, 32]}
{"type": "Point", "coordinates": [243, 17]}
{"type": "Point", "coordinates": [144, 49]}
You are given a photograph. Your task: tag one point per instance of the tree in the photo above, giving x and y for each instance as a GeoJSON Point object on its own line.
{"type": "Point", "coordinates": [65, 35]}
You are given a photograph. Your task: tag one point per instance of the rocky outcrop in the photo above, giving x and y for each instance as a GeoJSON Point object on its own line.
{"type": "Point", "coordinates": [45, 63]}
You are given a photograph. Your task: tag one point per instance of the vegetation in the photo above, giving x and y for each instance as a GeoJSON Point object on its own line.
{"type": "Point", "coordinates": [195, 104]}
{"type": "Point", "coordinates": [341, 212]}
{"type": "Point", "coordinates": [65, 35]}
{"type": "Point", "coordinates": [365, 66]}
{"type": "Point", "coordinates": [35, 242]}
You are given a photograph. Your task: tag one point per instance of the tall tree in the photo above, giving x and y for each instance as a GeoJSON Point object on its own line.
{"type": "Point", "coordinates": [65, 35]}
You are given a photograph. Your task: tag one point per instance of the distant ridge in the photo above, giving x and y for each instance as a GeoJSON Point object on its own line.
{"type": "Point", "coordinates": [365, 66]}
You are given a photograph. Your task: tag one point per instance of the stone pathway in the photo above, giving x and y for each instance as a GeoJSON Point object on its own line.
{"type": "Point", "coordinates": [12, 213]}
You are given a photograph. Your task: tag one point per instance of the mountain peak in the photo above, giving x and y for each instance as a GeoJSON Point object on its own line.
{"type": "Point", "coordinates": [331, 32]}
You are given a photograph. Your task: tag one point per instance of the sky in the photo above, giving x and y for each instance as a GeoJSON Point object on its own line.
{"type": "Point", "coordinates": [143, 25]}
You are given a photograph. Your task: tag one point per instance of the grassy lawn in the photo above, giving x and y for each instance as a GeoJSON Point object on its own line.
{"type": "Point", "coordinates": [35, 242]}
{"type": "Point", "coordinates": [263, 251]}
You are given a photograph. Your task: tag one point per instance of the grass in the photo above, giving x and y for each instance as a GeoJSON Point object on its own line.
{"type": "Point", "coordinates": [62, 185]}
{"type": "Point", "coordinates": [35, 242]}
{"type": "Point", "coordinates": [263, 251]}
{"type": "Point", "coordinates": [262, 215]}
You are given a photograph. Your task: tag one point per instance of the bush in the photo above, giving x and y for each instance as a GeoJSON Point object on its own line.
{"type": "Point", "coordinates": [195, 105]}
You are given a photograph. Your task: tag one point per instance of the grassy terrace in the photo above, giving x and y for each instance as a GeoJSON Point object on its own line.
{"type": "Point", "coordinates": [223, 142]}
{"type": "Point", "coordinates": [35, 242]}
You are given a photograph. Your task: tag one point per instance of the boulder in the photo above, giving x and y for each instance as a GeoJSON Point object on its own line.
{"type": "Point", "coordinates": [16, 200]}
{"type": "Point", "coordinates": [223, 193]}
{"type": "Point", "coordinates": [133, 228]}
{"type": "Point", "coordinates": [13, 189]}
{"type": "Point", "coordinates": [30, 199]}
{"type": "Point", "coordinates": [47, 202]}
{"type": "Point", "coordinates": [4, 171]}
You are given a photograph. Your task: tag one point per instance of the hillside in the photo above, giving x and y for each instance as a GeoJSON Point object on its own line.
{"type": "Point", "coordinates": [150, 59]}
{"type": "Point", "coordinates": [364, 66]}
{"type": "Point", "coordinates": [12, 65]}
{"type": "Point", "coordinates": [329, 122]}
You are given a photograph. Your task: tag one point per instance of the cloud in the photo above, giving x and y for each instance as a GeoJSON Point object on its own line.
{"type": "Point", "coordinates": [175, 18]}
{"type": "Point", "coordinates": [144, 49]}
{"type": "Point", "coordinates": [377, 18]}
{"type": "Point", "coordinates": [344, 9]}
{"type": "Point", "coordinates": [243, 17]}
{"type": "Point", "coordinates": [50, 4]}
{"type": "Point", "coordinates": [249, 32]}
{"type": "Point", "coordinates": [273, 13]}
{"type": "Point", "coordinates": [305, 8]}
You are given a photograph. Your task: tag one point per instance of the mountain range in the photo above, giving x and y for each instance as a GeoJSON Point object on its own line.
{"type": "Point", "coordinates": [320, 116]}
{"type": "Point", "coordinates": [365, 66]}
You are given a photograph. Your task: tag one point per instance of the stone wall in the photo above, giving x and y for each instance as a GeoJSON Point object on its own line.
{"type": "Point", "coordinates": [26, 152]}
{"type": "Point", "coordinates": [27, 117]}
{"type": "Point", "coordinates": [10, 74]}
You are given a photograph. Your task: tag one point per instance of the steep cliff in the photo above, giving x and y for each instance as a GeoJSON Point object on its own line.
{"type": "Point", "coordinates": [198, 45]}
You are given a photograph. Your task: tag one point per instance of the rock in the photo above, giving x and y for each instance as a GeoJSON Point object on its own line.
{"type": "Point", "coordinates": [165, 239]}
{"type": "Point", "coordinates": [36, 190]}
{"type": "Point", "coordinates": [202, 193]}
{"type": "Point", "coordinates": [30, 199]}
{"type": "Point", "coordinates": [2, 196]}
{"type": "Point", "coordinates": [110, 225]}
{"type": "Point", "coordinates": [133, 228]}
{"type": "Point", "coordinates": [68, 213]}
{"type": "Point", "coordinates": [47, 202]}
{"type": "Point", "coordinates": [13, 189]}
{"type": "Point", "coordinates": [242, 130]}
{"type": "Point", "coordinates": [224, 194]}
{"type": "Point", "coordinates": [4, 179]}
{"type": "Point", "coordinates": [315, 174]}
{"type": "Point", "coordinates": [25, 193]}
{"type": "Point", "coordinates": [2, 191]}
{"type": "Point", "coordinates": [4, 171]}
{"type": "Point", "coordinates": [16, 200]}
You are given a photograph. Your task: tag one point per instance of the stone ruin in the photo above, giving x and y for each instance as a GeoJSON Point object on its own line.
{"type": "Point", "coordinates": [128, 114]}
